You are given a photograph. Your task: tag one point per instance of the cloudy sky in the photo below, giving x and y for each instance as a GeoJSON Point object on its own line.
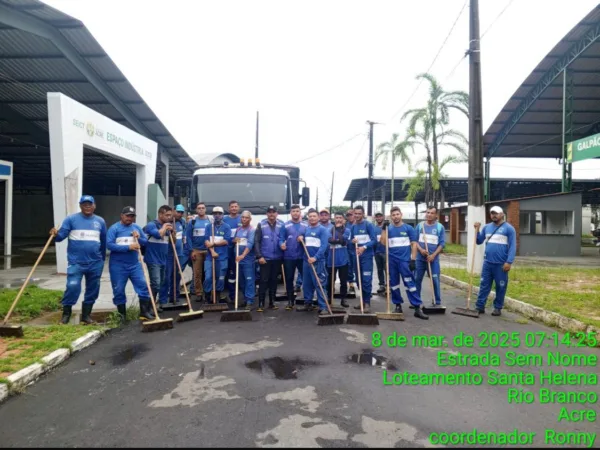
{"type": "Point", "coordinates": [318, 70]}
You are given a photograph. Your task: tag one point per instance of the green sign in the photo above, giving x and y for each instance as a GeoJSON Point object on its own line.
{"type": "Point", "coordinates": [585, 148]}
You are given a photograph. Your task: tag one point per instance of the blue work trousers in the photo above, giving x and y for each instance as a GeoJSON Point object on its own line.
{"type": "Point", "coordinates": [365, 283]}
{"type": "Point", "coordinates": [422, 269]}
{"type": "Point", "coordinates": [76, 273]}
{"type": "Point", "coordinates": [247, 281]}
{"type": "Point", "coordinates": [309, 282]}
{"type": "Point", "coordinates": [220, 274]}
{"type": "Point", "coordinates": [290, 266]}
{"type": "Point", "coordinates": [120, 274]}
{"type": "Point", "coordinates": [351, 268]}
{"type": "Point", "coordinates": [401, 269]}
{"type": "Point", "coordinates": [492, 272]}
{"type": "Point", "coordinates": [166, 289]}
{"type": "Point", "coordinates": [157, 273]}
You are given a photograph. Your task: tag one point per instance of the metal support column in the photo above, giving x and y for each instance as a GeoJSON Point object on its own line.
{"type": "Point", "coordinates": [567, 130]}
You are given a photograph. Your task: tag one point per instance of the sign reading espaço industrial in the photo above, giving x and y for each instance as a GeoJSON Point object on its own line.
{"type": "Point", "coordinates": [585, 148]}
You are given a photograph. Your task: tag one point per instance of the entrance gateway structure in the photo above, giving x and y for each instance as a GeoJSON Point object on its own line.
{"type": "Point", "coordinates": [73, 126]}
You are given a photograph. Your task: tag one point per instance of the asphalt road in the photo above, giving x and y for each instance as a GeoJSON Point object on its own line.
{"type": "Point", "coordinates": [278, 381]}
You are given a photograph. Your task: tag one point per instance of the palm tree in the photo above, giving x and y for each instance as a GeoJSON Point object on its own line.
{"type": "Point", "coordinates": [398, 150]}
{"type": "Point", "coordinates": [435, 116]}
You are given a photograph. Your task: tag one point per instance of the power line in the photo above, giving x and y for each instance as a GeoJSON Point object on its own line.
{"type": "Point", "coordinates": [328, 150]}
{"type": "Point", "coordinates": [496, 19]}
{"type": "Point", "coordinates": [432, 62]}
{"type": "Point", "coordinates": [358, 154]}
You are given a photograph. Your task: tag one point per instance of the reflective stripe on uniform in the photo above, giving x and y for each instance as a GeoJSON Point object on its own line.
{"type": "Point", "coordinates": [399, 241]}
{"type": "Point", "coordinates": [431, 239]}
{"type": "Point", "coordinates": [497, 239]}
{"type": "Point", "coordinates": [84, 235]}
{"type": "Point", "coordinates": [163, 240]}
{"type": "Point", "coordinates": [127, 240]}
{"type": "Point", "coordinates": [313, 242]}
{"type": "Point", "coordinates": [363, 238]}
{"type": "Point", "coordinates": [179, 235]}
{"type": "Point", "coordinates": [199, 232]}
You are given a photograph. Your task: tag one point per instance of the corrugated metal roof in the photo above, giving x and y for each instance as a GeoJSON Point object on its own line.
{"type": "Point", "coordinates": [530, 124]}
{"type": "Point", "coordinates": [31, 66]}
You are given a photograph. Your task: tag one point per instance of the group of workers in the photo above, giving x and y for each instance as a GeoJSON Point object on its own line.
{"type": "Point", "coordinates": [311, 253]}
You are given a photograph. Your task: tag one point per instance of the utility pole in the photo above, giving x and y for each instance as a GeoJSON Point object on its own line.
{"type": "Point", "coordinates": [476, 209]}
{"type": "Point", "coordinates": [256, 145]}
{"type": "Point", "coordinates": [370, 179]}
{"type": "Point", "coordinates": [331, 194]}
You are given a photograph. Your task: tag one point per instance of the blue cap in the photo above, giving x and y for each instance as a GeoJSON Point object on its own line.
{"type": "Point", "coordinates": [180, 208]}
{"type": "Point", "coordinates": [86, 198]}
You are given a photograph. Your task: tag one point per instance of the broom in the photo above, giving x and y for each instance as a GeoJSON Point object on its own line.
{"type": "Point", "coordinates": [175, 304]}
{"type": "Point", "coordinates": [389, 315]}
{"type": "Point", "coordinates": [215, 307]}
{"type": "Point", "coordinates": [229, 316]}
{"type": "Point", "coordinates": [17, 330]}
{"type": "Point", "coordinates": [331, 319]}
{"type": "Point", "coordinates": [433, 309]}
{"type": "Point", "coordinates": [191, 314]}
{"type": "Point", "coordinates": [362, 318]}
{"type": "Point", "coordinates": [157, 323]}
{"type": "Point", "coordinates": [467, 311]}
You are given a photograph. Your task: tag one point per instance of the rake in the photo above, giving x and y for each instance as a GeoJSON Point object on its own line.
{"type": "Point", "coordinates": [433, 309]}
{"type": "Point", "coordinates": [362, 318]}
{"type": "Point", "coordinates": [191, 314]}
{"type": "Point", "coordinates": [243, 315]}
{"type": "Point", "coordinates": [17, 330]}
{"type": "Point", "coordinates": [158, 323]}
{"type": "Point", "coordinates": [468, 312]}
{"type": "Point", "coordinates": [331, 318]}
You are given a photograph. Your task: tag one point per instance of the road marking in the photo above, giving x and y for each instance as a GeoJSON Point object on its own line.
{"type": "Point", "coordinates": [307, 396]}
{"type": "Point", "coordinates": [300, 431]}
{"type": "Point", "coordinates": [379, 433]}
{"type": "Point", "coordinates": [219, 352]}
{"type": "Point", "coordinates": [355, 336]}
{"type": "Point", "coordinates": [194, 389]}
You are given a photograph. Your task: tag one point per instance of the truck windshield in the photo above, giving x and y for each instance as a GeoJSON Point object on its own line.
{"type": "Point", "coordinates": [253, 192]}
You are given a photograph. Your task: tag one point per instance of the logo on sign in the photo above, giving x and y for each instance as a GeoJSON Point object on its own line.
{"type": "Point", "coordinates": [89, 127]}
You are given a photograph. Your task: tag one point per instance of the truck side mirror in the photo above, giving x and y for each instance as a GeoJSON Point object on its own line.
{"type": "Point", "coordinates": [305, 196]}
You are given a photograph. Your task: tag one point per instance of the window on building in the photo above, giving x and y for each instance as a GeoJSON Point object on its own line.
{"type": "Point", "coordinates": [547, 222]}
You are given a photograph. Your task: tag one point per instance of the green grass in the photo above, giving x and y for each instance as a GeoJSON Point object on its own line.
{"type": "Point", "coordinates": [574, 293]}
{"type": "Point", "coordinates": [455, 249]}
{"type": "Point", "coordinates": [33, 302]}
{"type": "Point", "coordinates": [36, 343]}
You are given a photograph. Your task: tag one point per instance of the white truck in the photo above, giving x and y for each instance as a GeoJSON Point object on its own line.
{"type": "Point", "coordinates": [255, 186]}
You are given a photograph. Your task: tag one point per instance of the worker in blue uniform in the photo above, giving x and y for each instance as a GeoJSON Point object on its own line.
{"type": "Point", "coordinates": [244, 237]}
{"type": "Point", "coordinates": [158, 232]}
{"type": "Point", "coordinates": [123, 240]}
{"type": "Point", "coordinates": [316, 240]}
{"type": "Point", "coordinates": [434, 233]}
{"type": "Point", "coordinates": [351, 253]}
{"type": "Point", "coordinates": [234, 221]}
{"type": "Point", "coordinates": [269, 255]}
{"type": "Point", "coordinates": [293, 253]}
{"type": "Point", "coordinates": [325, 221]}
{"type": "Point", "coordinates": [217, 244]}
{"type": "Point", "coordinates": [86, 254]}
{"type": "Point", "coordinates": [402, 242]}
{"type": "Point", "coordinates": [500, 238]}
{"type": "Point", "coordinates": [338, 239]}
{"type": "Point", "coordinates": [362, 235]}
{"type": "Point", "coordinates": [380, 253]}
{"type": "Point", "coordinates": [171, 269]}
{"type": "Point", "coordinates": [195, 238]}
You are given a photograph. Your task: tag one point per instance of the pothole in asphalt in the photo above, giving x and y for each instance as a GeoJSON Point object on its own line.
{"type": "Point", "coordinates": [370, 358]}
{"type": "Point", "coordinates": [280, 368]}
{"type": "Point", "coordinates": [129, 354]}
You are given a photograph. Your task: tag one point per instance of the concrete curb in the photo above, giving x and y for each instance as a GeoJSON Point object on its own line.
{"type": "Point", "coordinates": [18, 381]}
{"type": "Point", "coordinates": [532, 312]}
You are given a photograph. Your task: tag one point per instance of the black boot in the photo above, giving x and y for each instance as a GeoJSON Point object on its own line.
{"type": "Point", "coordinates": [272, 304]}
{"type": "Point", "coordinates": [344, 303]}
{"type": "Point", "coordinates": [66, 315]}
{"type": "Point", "coordinates": [496, 312]}
{"type": "Point", "coordinates": [261, 305]}
{"type": "Point", "coordinates": [86, 311]}
{"type": "Point", "coordinates": [290, 305]}
{"type": "Point", "coordinates": [420, 314]}
{"type": "Point", "coordinates": [398, 309]}
{"type": "Point", "coordinates": [145, 313]}
{"type": "Point", "coordinates": [122, 309]}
